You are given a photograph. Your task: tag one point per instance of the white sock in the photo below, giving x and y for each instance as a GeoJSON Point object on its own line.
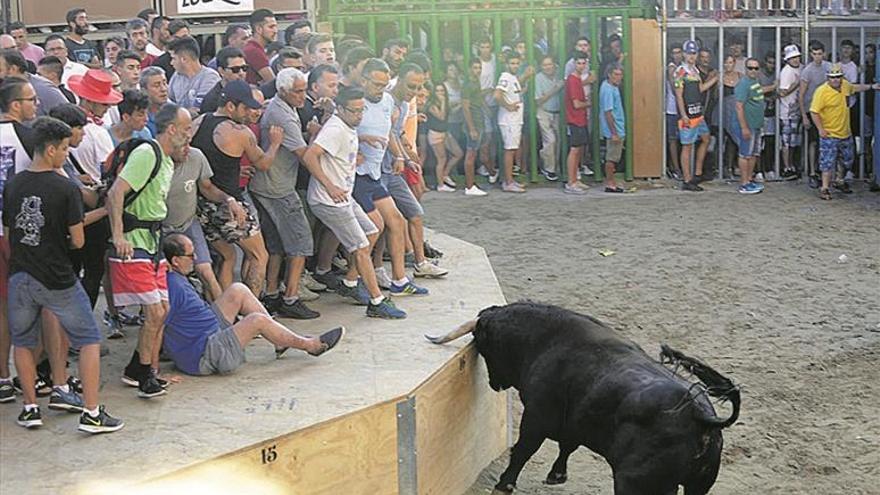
{"type": "Point", "coordinates": [31, 407]}
{"type": "Point", "coordinates": [272, 295]}
{"type": "Point", "coordinates": [350, 283]}
{"type": "Point", "coordinates": [401, 282]}
{"type": "Point", "coordinates": [379, 269]}
{"type": "Point", "coordinates": [375, 301]}
{"type": "Point", "coordinates": [91, 412]}
{"type": "Point", "coordinates": [290, 300]}
{"type": "Point", "coordinates": [64, 388]}
{"type": "Point", "coordinates": [322, 271]}
{"type": "Point", "coordinates": [6, 380]}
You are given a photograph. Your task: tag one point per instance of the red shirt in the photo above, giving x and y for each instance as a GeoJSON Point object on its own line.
{"type": "Point", "coordinates": [255, 56]}
{"type": "Point", "coordinates": [243, 179]}
{"type": "Point", "coordinates": [574, 90]}
{"type": "Point", "coordinates": [147, 61]}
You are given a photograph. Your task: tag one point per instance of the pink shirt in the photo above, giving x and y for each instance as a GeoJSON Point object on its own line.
{"type": "Point", "coordinates": [33, 53]}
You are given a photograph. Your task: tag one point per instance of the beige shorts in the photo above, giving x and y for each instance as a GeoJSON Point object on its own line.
{"type": "Point", "coordinates": [511, 134]}
{"type": "Point", "coordinates": [613, 150]}
{"type": "Point", "coordinates": [436, 138]}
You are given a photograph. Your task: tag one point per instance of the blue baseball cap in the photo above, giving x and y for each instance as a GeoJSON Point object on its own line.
{"type": "Point", "coordinates": [239, 92]}
{"type": "Point", "coordinates": [690, 46]}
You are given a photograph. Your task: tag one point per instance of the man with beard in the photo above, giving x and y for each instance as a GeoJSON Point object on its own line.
{"type": "Point", "coordinates": [394, 54]}
{"type": "Point", "coordinates": [136, 29]}
{"type": "Point", "coordinates": [80, 49]}
{"type": "Point", "coordinates": [265, 29]}
{"type": "Point", "coordinates": [224, 138]}
{"type": "Point", "coordinates": [136, 271]}
{"type": "Point", "coordinates": [789, 110]}
{"type": "Point", "coordinates": [154, 83]}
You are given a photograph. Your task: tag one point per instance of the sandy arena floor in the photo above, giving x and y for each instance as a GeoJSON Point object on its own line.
{"type": "Point", "coordinates": [752, 285]}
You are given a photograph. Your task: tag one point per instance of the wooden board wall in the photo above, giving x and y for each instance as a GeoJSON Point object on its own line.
{"type": "Point", "coordinates": [647, 98]}
{"type": "Point", "coordinates": [53, 12]}
{"type": "Point", "coordinates": [461, 423]}
{"type": "Point", "coordinates": [461, 426]}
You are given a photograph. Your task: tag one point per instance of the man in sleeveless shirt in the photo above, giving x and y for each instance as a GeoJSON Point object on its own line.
{"type": "Point", "coordinates": [692, 123]}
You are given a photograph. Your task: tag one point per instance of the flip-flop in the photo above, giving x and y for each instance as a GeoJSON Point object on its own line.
{"type": "Point", "coordinates": [329, 339]}
{"type": "Point", "coordinates": [825, 194]}
{"type": "Point", "coordinates": [613, 190]}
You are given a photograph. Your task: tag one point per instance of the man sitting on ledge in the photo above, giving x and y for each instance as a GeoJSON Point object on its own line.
{"type": "Point", "coordinates": [201, 338]}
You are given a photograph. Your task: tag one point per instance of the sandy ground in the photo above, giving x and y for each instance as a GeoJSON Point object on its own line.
{"type": "Point", "coordinates": [752, 285]}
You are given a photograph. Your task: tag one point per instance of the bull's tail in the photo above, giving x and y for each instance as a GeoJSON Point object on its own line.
{"type": "Point", "coordinates": [717, 385]}
{"type": "Point", "coordinates": [464, 329]}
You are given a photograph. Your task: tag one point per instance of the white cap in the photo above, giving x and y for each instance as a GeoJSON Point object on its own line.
{"type": "Point", "coordinates": [791, 51]}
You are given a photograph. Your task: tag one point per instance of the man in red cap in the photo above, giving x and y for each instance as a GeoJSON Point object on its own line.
{"type": "Point", "coordinates": [96, 96]}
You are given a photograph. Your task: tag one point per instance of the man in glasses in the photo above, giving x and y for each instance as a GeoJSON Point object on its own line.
{"type": "Point", "coordinates": [747, 125]}
{"type": "Point", "coordinates": [830, 114]}
{"type": "Point", "coordinates": [232, 67]}
{"type": "Point", "coordinates": [332, 161]}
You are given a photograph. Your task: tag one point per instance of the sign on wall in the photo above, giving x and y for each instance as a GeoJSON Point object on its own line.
{"type": "Point", "coordinates": [213, 6]}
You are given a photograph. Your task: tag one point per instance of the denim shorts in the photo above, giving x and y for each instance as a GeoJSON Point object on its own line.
{"type": "Point", "coordinates": [833, 149]}
{"type": "Point", "coordinates": [349, 224]}
{"type": "Point", "coordinates": [27, 296]}
{"type": "Point", "coordinates": [367, 191]}
{"type": "Point", "coordinates": [748, 148]}
{"type": "Point", "coordinates": [402, 196]}
{"type": "Point", "coordinates": [473, 144]}
{"type": "Point", "coordinates": [286, 230]}
{"type": "Point", "coordinates": [690, 135]}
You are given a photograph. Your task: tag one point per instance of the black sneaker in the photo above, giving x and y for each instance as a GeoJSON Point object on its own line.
{"type": "Point", "coordinates": [298, 311]}
{"type": "Point", "coordinates": [102, 423]}
{"type": "Point", "coordinates": [329, 340]}
{"type": "Point", "coordinates": [75, 384]}
{"type": "Point", "coordinates": [43, 385]}
{"type": "Point", "coordinates": [875, 187]}
{"type": "Point", "coordinates": [30, 419]}
{"type": "Point", "coordinates": [690, 186]}
{"type": "Point", "coordinates": [814, 182]}
{"type": "Point", "coordinates": [149, 388]}
{"type": "Point", "coordinates": [330, 279]}
{"type": "Point", "coordinates": [272, 303]}
{"type": "Point", "coordinates": [431, 252]}
{"type": "Point", "coordinates": [843, 187]}
{"type": "Point", "coordinates": [7, 391]}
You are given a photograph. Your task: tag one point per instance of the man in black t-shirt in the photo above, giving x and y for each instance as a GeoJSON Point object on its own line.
{"type": "Point", "coordinates": [43, 216]}
{"type": "Point", "coordinates": [80, 49]}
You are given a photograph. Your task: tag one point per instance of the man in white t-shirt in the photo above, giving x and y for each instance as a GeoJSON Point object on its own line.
{"type": "Point", "coordinates": [332, 161]}
{"type": "Point", "coordinates": [789, 109]}
{"type": "Point", "coordinates": [96, 96]}
{"type": "Point", "coordinates": [508, 95]}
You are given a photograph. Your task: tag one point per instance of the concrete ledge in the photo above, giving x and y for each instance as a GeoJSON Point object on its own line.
{"type": "Point", "coordinates": [301, 424]}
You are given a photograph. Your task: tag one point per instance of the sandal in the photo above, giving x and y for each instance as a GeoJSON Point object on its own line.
{"type": "Point", "coordinates": [825, 194]}
{"type": "Point", "coordinates": [613, 189]}
{"type": "Point", "coordinates": [329, 340]}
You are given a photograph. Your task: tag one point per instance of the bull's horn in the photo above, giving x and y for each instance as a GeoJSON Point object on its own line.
{"type": "Point", "coordinates": [466, 328]}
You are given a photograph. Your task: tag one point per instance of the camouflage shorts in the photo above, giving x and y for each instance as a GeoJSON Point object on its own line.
{"type": "Point", "coordinates": [218, 223]}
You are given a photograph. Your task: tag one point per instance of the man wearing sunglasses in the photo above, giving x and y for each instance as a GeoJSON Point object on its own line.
{"type": "Point", "coordinates": [232, 67]}
{"type": "Point", "coordinates": [830, 114]}
{"type": "Point", "coordinates": [746, 128]}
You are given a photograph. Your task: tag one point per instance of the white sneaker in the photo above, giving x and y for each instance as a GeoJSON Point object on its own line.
{"type": "Point", "coordinates": [482, 171]}
{"type": "Point", "coordinates": [493, 178]}
{"type": "Point", "coordinates": [586, 171]}
{"type": "Point", "coordinates": [574, 188]}
{"type": "Point", "coordinates": [771, 176]}
{"type": "Point", "coordinates": [849, 177]}
{"type": "Point", "coordinates": [305, 294]}
{"type": "Point", "coordinates": [444, 188]}
{"type": "Point", "coordinates": [512, 187]}
{"type": "Point", "coordinates": [759, 177]}
{"type": "Point", "coordinates": [382, 278]}
{"type": "Point", "coordinates": [429, 270]}
{"type": "Point", "coordinates": [474, 191]}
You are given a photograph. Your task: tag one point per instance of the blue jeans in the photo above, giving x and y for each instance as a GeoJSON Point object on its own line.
{"type": "Point", "coordinates": [27, 296]}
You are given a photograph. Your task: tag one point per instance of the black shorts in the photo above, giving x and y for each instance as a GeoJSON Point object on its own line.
{"type": "Point", "coordinates": [367, 191]}
{"type": "Point", "coordinates": [577, 136]}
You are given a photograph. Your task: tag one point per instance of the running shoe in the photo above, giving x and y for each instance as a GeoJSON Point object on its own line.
{"type": "Point", "coordinates": [358, 293]}
{"type": "Point", "coordinates": [474, 191]}
{"type": "Point", "coordinates": [69, 401]}
{"type": "Point", "coordinates": [102, 423]}
{"type": "Point", "coordinates": [407, 289]}
{"type": "Point", "coordinates": [427, 269]}
{"type": "Point", "coordinates": [386, 310]}
{"type": "Point", "coordinates": [7, 391]}
{"type": "Point", "coordinates": [30, 418]}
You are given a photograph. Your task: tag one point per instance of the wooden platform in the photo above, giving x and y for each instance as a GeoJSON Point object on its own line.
{"type": "Point", "coordinates": [384, 413]}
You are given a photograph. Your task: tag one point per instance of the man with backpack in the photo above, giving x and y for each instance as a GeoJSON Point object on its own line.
{"type": "Point", "coordinates": [136, 207]}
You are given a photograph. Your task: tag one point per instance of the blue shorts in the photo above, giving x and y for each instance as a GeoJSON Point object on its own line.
{"type": "Point", "coordinates": [402, 195]}
{"type": "Point", "coordinates": [367, 191]}
{"type": "Point", "coordinates": [474, 144]}
{"type": "Point", "coordinates": [833, 149]}
{"type": "Point", "coordinates": [27, 296]}
{"type": "Point", "coordinates": [690, 135]}
{"type": "Point", "coordinates": [748, 148]}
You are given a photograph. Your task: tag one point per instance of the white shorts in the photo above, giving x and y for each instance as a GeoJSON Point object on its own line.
{"type": "Point", "coordinates": [511, 134]}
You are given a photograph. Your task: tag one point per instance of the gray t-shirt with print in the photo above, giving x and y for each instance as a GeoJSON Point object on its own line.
{"type": "Point", "coordinates": [183, 194]}
{"type": "Point", "coordinates": [280, 179]}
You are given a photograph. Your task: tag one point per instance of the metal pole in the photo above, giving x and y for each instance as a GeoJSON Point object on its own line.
{"type": "Point", "coordinates": [598, 171]}
{"type": "Point", "coordinates": [626, 46]}
{"type": "Point", "coordinates": [833, 46]}
{"type": "Point", "coordinates": [776, 142]}
{"type": "Point", "coordinates": [862, 109]}
{"type": "Point", "coordinates": [435, 48]}
{"type": "Point", "coordinates": [663, 44]}
{"type": "Point", "coordinates": [530, 103]}
{"type": "Point", "coordinates": [371, 34]}
{"type": "Point", "coordinates": [466, 42]}
{"type": "Point", "coordinates": [805, 148]}
{"type": "Point", "coordinates": [719, 145]}
{"type": "Point", "coordinates": [561, 46]}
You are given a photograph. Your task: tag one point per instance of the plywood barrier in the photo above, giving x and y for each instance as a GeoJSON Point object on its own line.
{"type": "Point", "coordinates": [459, 426]}
{"type": "Point", "coordinates": [647, 98]}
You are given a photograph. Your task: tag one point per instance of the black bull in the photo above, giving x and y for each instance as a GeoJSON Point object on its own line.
{"type": "Point", "coordinates": [582, 384]}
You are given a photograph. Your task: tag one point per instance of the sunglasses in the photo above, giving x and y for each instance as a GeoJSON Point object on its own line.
{"type": "Point", "coordinates": [238, 69]}
{"type": "Point", "coordinates": [354, 110]}
{"type": "Point", "coordinates": [753, 67]}
{"type": "Point", "coordinates": [835, 77]}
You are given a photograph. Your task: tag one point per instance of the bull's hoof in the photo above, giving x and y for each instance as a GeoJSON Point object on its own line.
{"type": "Point", "coordinates": [503, 489]}
{"type": "Point", "coordinates": [556, 479]}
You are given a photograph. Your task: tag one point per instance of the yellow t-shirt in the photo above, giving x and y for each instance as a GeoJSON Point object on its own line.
{"type": "Point", "coordinates": [831, 106]}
